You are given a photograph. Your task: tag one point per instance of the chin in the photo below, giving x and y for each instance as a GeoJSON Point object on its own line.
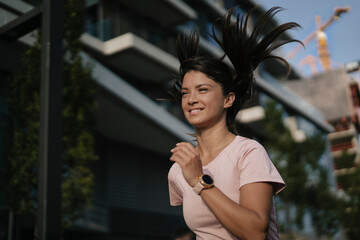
{"type": "Point", "coordinates": [198, 125]}
{"type": "Point", "coordinates": [199, 121]}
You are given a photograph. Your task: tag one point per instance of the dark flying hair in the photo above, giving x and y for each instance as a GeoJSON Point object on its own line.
{"type": "Point", "coordinates": [245, 51]}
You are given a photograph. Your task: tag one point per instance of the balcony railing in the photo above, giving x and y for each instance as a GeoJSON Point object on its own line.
{"type": "Point", "coordinates": [131, 22]}
{"type": "Point", "coordinates": [96, 217]}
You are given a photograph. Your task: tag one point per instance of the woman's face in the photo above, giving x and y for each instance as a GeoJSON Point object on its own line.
{"type": "Point", "coordinates": [203, 102]}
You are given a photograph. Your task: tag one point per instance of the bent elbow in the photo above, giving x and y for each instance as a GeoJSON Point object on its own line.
{"type": "Point", "coordinates": [261, 235]}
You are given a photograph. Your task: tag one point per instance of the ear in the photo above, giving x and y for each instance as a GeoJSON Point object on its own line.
{"type": "Point", "coordinates": [229, 100]}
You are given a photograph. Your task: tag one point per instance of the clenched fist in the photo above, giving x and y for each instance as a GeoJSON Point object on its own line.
{"type": "Point", "coordinates": [189, 160]}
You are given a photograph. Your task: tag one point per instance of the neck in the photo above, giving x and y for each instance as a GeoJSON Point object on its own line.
{"type": "Point", "coordinates": [212, 141]}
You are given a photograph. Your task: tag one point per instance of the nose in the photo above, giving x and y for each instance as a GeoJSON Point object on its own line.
{"type": "Point", "coordinates": [193, 98]}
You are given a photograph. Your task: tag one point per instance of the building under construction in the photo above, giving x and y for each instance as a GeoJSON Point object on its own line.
{"type": "Point", "coordinates": [336, 94]}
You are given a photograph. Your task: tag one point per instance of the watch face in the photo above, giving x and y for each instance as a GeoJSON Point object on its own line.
{"type": "Point", "coordinates": [207, 179]}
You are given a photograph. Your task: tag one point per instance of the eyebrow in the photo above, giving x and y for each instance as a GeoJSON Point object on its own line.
{"type": "Point", "coordinates": [199, 86]}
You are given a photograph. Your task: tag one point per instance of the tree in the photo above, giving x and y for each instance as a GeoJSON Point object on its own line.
{"type": "Point", "coordinates": [349, 181]}
{"type": "Point", "coordinates": [22, 136]}
{"type": "Point", "coordinates": [306, 179]}
{"type": "Point", "coordinates": [78, 117]}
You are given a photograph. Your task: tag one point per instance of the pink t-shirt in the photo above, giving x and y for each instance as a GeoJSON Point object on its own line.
{"type": "Point", "coordinates": [243, 161]}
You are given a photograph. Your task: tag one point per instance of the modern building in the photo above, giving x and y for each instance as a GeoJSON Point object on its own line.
{"type": "Point", "coordinates": [341, 110]}
{"type": "Point", "coordinates": [131, 46]}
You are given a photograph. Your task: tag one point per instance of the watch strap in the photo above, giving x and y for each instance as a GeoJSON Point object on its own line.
{"type": "Point", "coordinates": [201, 185]}
{"type": "Point", "coordinates": [198, 188]}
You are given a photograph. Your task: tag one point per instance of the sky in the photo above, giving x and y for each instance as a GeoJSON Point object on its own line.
{"type": "Point", "coordinates": [343, 35]}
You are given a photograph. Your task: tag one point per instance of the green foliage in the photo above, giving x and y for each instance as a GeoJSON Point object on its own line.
{"type": "Point", "coordinates": [79, 105]}
{"type": "Point", "coordinates": [306, 180]}
{"type": "Point", "coordinates": [22, 136]}
{"type": "Point", "coordinates": [345, 160]}
{"type": "Point", "coordinates": [349, 180]}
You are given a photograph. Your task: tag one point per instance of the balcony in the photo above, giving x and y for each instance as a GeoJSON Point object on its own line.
{"type": "Point", "coordinates": [164, 12]}
{"type": "Point", "coordinates": [344, 140]}
{"type": "Point", "coordinates": [346, 133]}
{"type": "Point", "coordinates": [134, 57]}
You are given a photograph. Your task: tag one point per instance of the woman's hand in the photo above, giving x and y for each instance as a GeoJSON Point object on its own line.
{"type": "Point", "coordinates": [189, 160]}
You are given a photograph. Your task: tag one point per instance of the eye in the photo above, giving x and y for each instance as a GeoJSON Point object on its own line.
{"type": "Point", "coordinates": [203, 89]}
{"type": "Point", "coordinates": [183, 93]}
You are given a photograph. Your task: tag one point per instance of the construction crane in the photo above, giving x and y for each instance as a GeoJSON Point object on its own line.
{"type": "Point", "coordinates": [322, 51]}
{"type": "Point", "coordinates": [320, 28]}
{"type": "Point", "coordinates": [322, 46]}
{"type": "Point", "coordinates": [311, 61]}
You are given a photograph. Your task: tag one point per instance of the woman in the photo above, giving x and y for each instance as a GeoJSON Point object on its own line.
{"type": "Point", "coordinates": [227, 182]}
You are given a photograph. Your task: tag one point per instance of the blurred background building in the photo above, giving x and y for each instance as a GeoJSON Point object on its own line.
{"type": "Point", "coordinates": [336, 94]}
{"type": "Point", "coordinates": [131, 46]}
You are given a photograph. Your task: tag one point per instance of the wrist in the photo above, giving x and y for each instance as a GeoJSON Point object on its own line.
{"type": "Point", "coordinates": [204, 182]}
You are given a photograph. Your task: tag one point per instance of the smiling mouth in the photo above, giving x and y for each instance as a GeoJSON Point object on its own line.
{"type": "Point", "coordinates": [195, 111]}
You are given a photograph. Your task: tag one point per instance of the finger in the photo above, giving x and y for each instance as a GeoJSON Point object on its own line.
{"type": "Point", "coordinates": [175, 158]}
{"type": "Point", "coordinates": [185, 144]}
{"type": "Point", "coordinates": [182, 153]}
{"type": "Point", "coordinates": [188, 146]}
{"type": "Point", "coordinates": [180, 160]}
{"type": "Point", "coordinates": [182, 147]}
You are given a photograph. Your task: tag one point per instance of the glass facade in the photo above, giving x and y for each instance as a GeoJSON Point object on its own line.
{"type": "Point", "coordinates": [105, 24]}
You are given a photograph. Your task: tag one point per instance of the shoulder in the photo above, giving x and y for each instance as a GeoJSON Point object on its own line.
{"type": "Point", "coordinates": [175, 189]}
{"type": "Point", "coordinates": [243, 146]}
{"type": "Point", "coordinates": [250, 143]}
{"type": "Point", "coordinates": [174, 171]}
{"type": "Point", "coordinates": [247, 151]}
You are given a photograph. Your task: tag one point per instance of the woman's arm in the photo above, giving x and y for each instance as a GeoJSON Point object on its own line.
{"type": "Point", "coordinates": [250, 218]}
{"type": "Point", "coordinates": [247, 219]}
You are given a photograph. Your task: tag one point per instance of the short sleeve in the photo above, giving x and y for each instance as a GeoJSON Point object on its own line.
{"type": "Point", "coordinates": [175, 194]}
{"type": "Point", "coordinates": [256, 166]}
